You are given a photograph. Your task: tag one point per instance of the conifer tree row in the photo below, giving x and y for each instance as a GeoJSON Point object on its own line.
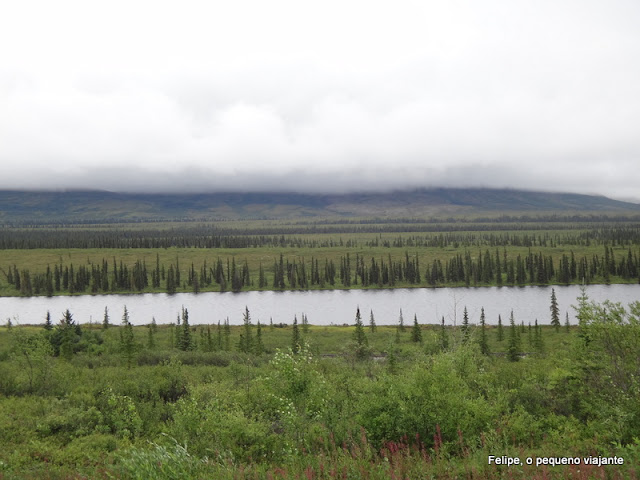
{"type": "Point", "coordinates": [411, 233]}
{"type": "Point", "coordinates": [468, 268]}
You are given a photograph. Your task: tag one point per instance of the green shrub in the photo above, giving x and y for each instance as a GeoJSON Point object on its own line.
{"type": "Point", "coordinates": [160, 462]}
{"type": "Point", "coordinates": [119, 414]}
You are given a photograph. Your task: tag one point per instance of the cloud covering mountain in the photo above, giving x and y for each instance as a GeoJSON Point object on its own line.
{"type": "Point", "coordinates": [322, 97]}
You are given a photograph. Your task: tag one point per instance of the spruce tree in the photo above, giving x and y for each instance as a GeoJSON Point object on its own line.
{"type": "Point", "coordinates": [258, 348]}
{"type": "Point", "coordinates": [127, 339]}
{"type": "Point", "coordinates": [401, 322]}
{"type": "Point", "coordinates": [358, 335]}
{"type": "Point", "coordinates": [223, 284]}
{"type": "Point", "coordinates": [246, 342]}
{"type": "Point", "coordinates": [444, 338]}
{"type": "Point", "coordinates": [178, 333]}
{"type": "Point", "coordinates": [514, 341]}
{"type": "Point", "coordinates": [567, 325]}
{"type": "Point", "coordinates": [227, 335]}
{"type": "Point", "coordinates": [484, 343]}
{"type": "Point", "coordinates": [295, 338]}
{"type": "Point", "coordinates": [105, 319]}
{"type": "Point", "coordinates": [151, 343]}
{"type": "Point", "coordinates": [49, 282]}
{"type": "Point", "coordinates": [186, 342]}
{"type": "Point", "coordinates": [500, 329]}
{"type": "Point", "coordinates": [372, 323]}
{"type": "Point", "coordinates": [67, 330]}
{"type": "Point", "coordinates": [498, 269]}
{"type": "Point", "coordinates": [47, 324]}
{"type": "Point", "coordinates": [155, 277]}
{"type": "Point", "coordinates": [555, 311]}
{"type": "Point", "coordinates": [360, 338]}
{"type": "Point", "coordinates": [466, 332]}
{"type": "Point", "coordinates": [171, 281]}
{"type": "Point", "coordinates": [416, 331]}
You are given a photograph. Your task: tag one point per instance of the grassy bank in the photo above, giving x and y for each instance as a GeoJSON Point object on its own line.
{"type": "Point", "coordinates": [352, 267]}
{"type": "Point", "coordinates": [319, 402]}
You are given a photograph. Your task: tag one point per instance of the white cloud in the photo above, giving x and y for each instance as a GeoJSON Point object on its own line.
{"type": "Point", "coordinates": [330, 95]}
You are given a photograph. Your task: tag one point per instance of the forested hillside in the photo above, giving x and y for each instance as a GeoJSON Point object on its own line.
{"type": "Point", "coordinates": [98, 206]}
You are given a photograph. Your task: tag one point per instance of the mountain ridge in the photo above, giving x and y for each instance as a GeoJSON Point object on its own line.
{"type": "Point", "coordinates": [87, 205]}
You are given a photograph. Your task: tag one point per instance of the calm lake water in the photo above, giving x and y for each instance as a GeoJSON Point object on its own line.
{"type": "Point", "coordinates": [321, 307]}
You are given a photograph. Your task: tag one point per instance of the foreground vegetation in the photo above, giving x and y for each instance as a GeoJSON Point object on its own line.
{"type": "Point", "coordinates": [309, 402]}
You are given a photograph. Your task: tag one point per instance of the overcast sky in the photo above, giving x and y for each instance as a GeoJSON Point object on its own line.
{"type": "Point", "coordinates": [320, 96]}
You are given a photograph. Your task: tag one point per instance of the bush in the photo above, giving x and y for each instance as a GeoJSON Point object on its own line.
{"type": "Point", "coordinates": [161, 462]}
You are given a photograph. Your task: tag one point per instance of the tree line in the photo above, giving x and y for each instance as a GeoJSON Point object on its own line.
{"type": "Point", "coordinates": [298, 236]}
{"type": "Point", "coordinates": [493, 267]}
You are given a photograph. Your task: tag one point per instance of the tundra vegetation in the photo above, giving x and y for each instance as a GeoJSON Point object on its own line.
{"type": "Point", "coordinates": [113, 400]}
{"type": "Point", "coordinates": [379, 399]}
{"type": "Point", "coordinates": [291, 255]}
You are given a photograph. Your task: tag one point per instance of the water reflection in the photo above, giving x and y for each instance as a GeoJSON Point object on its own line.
{"type": "Point", "coordinates": [321, 307]}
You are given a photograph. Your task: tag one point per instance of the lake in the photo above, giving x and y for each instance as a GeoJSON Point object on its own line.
{"type": "Point", "coordinates": [322, 307]}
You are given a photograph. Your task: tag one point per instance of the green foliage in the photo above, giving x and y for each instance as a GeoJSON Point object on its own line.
{"type": "Point", "coordinates": [297, 394]}
{"type": "Point", "coordinates": [538, 341]}
{"type": "Point", "coordinates": [416, 331]}
{"type": "Point", "coordinates": [215, 426]}
{"type": "Point", "coordinates": [151, 341]}
{"type": "Point", "coordinates": [513, 350]}
{"type": "Point", "coordinates": [184, 340]}
{"type": "Point", "coordinates": [466, 331]}
{"type": "Point", "coordinates": [258, 347]}
{"type": "Point", "coordinates": [610, 362]}
{"type": "Point", "coordinates": [555, 311]}
{"type": "Point", "coordinates": [392, 359]}
{"type": "Point", "coordinates": [105, 319]}
{"type": "Point", "coordinates": [119, 414]}
{"type": "Point", "coordinates": [34, 354]}
{"type": "Point", "coordinates": [246, 339]}
{"type": "Point", "coordinates": [417, 412]}
{"type": "Point", "coordinates": [484, 342]}
{"type": "Point", "coordinates": [563, 254]}
{"type": "Point", "coordinates": [48, 325]}
{"type": "Point", "coordinates": [401, 327]}
{"type": "Point", "coordinates": [444, 336]}
{"type": "Point", "coordinates": [295, 336]}
{"type": "Point", "coordinates": [128, 345]}
{"type": "Point", "coordinates": [361, 349]}
{"type": "Point", "coordinates": [68, 338]}
{"type": "Point", "coordinates": [425, 399]}
{"type": "Point", "coordinates": [159, 462]}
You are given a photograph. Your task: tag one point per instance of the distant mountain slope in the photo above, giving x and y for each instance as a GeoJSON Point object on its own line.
{"type": "Point", "coordinates": [85, 206]}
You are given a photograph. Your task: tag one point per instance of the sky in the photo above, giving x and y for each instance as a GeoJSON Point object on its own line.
{"type": "Point", "coordinates": [320, 96]}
